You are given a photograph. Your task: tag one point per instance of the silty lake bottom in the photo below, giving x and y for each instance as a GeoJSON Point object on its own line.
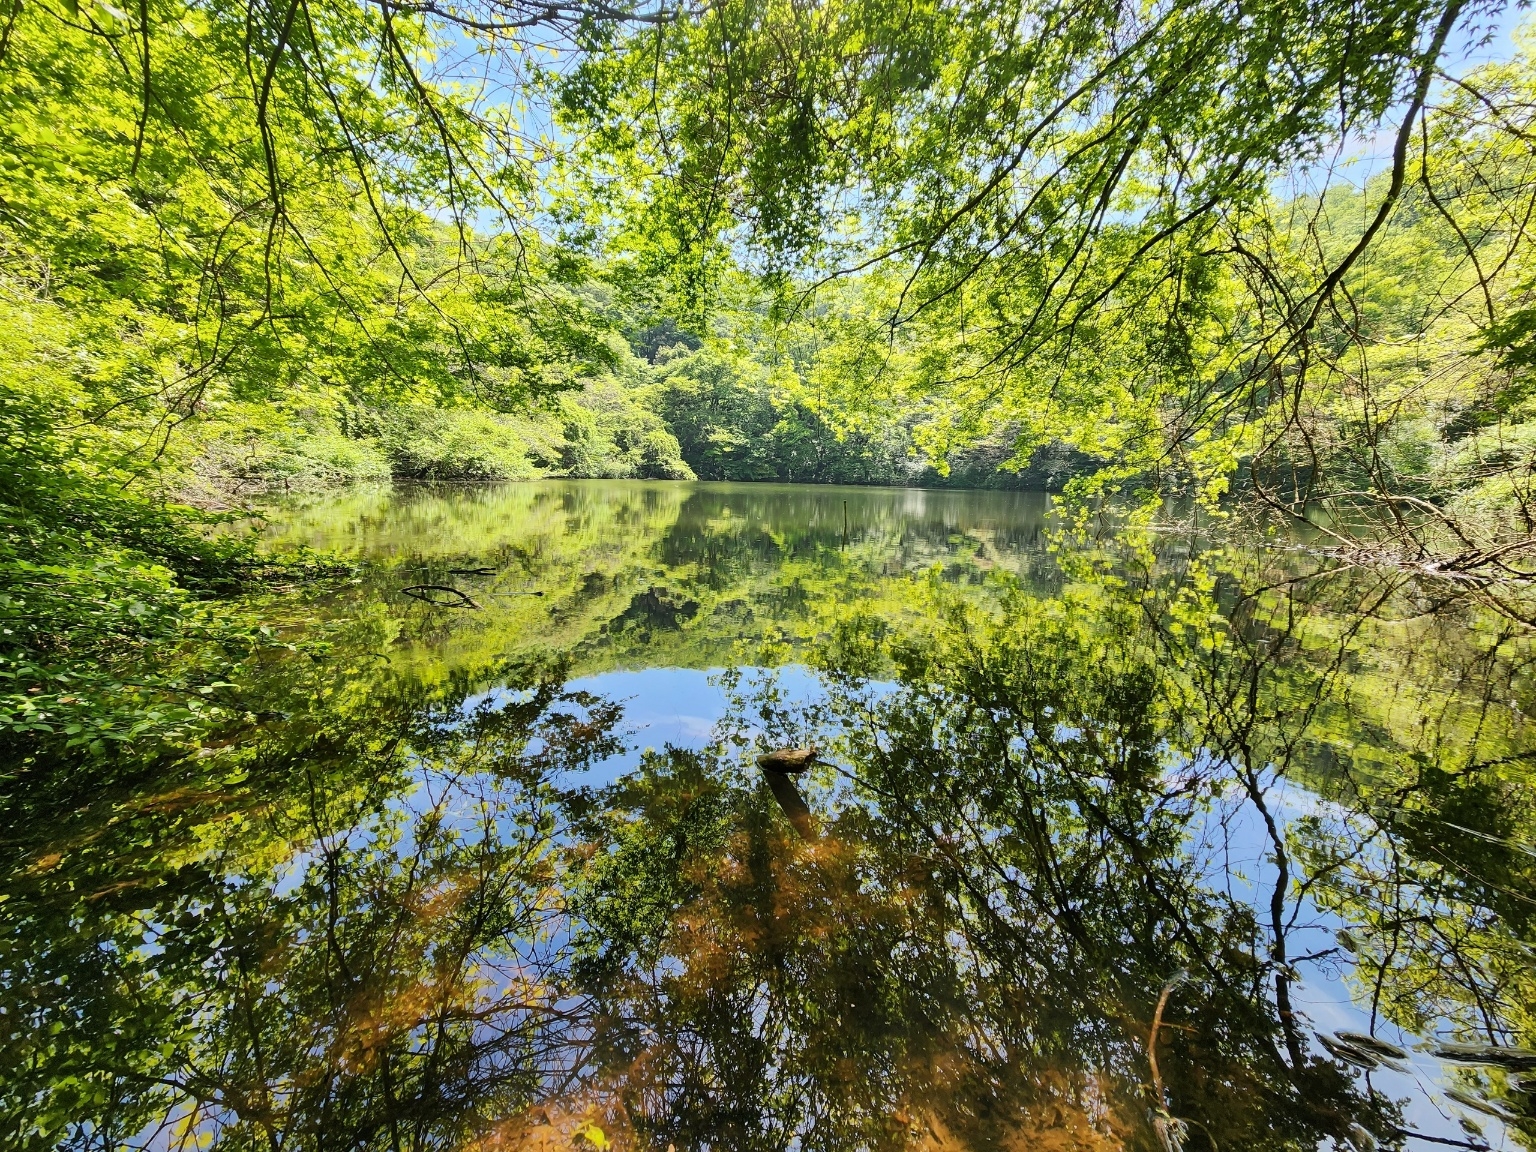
{"type": "Point", "coordinates": [1120, 840]}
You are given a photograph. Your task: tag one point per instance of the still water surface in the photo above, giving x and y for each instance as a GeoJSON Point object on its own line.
{"type": "Point", "coordinates": [1119, 840]}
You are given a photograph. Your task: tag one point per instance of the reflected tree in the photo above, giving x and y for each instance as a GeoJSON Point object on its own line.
{"type": "Point", "coordinates": [1074, 847]}
{"type": "Point", "coordinates": [366, 956]}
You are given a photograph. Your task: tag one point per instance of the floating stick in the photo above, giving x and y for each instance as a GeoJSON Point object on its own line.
{"type": "Point", "coordinates": [419, 592]}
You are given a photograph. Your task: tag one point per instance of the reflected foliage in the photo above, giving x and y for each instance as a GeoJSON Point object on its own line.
{"type": "Point", "coordinates": [339, 943]}
{"type": "Point", "coordinates": [669, 574]}
{"type": "Point", "coordinates": [1098, 830]}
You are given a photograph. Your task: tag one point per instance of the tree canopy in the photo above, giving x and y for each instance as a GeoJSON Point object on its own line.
{"type": "Point", "coordinates": [1102, 246]}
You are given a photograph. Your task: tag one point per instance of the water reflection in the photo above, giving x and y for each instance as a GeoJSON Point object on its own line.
{"type": "Point", "coordinates": [1143, 843]}
{"type": "Point", "coordinates": [653, 574]}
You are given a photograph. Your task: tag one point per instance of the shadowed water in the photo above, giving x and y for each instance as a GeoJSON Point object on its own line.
{"type": "Point", "coordinates": [1120, 840]}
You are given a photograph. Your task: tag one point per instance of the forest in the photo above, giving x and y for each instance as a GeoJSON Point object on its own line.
{"type": "Point", "coordinates": [1273, 258]}
{"type": "Point", "coordinates": [449, 447]}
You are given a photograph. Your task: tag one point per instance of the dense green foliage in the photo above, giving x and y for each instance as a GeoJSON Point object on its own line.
{"type": "Point", "coordinates": [249, 245]}
{"type": "Point", "coordinates": [234, 246]}
{"type": "Point", "coordinates": [1132, 234]}
{"type": "Point", "coordinates": [298, 842]}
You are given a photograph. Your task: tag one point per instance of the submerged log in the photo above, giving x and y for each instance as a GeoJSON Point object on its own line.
{"type": "Point", "coordinates": [426, 593]}
{"type": "Point", "coordinates": [1489, 1055]}
{"type": "Point", "coordinates": [788, 760]}
{"type": "Point", "coordinates": [793, 804]}
{"type": "Point", "coordinates": [1373, 1044]}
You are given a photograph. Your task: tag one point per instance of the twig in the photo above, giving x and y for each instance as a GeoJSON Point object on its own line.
{"type": "Point", "coordinates": [419, 592]}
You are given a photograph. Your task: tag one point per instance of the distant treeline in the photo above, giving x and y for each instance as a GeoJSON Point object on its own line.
{"type": "Point", "coordinates": [669, 408]}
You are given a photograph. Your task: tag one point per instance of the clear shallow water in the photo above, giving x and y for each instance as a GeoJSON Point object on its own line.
{"type": "Point", "coordinates": [507, 876]}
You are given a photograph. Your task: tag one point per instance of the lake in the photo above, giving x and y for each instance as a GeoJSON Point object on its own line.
{"type": "Point", "coordinates": [1177, 837]}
